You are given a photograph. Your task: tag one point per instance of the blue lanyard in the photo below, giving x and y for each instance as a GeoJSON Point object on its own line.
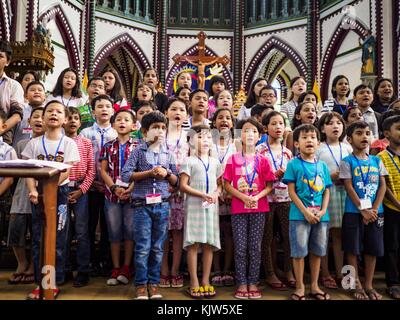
{"type": "Point", "coordinates": [306, 176]}
{"type": "Point", "coordinates": [175, 150]}
{"type": "Point", "coordinates": [102, 133]}
{"type": "Point", "coordinates": [221, 160]}
{"type": "Point", "coordinates": [45, 150]}
{"type": "Point", "coordinates": [122, 148]}
{"type": "Point", "coordinates": [272, 156]}
{"type": "Point", "coordinates": [250, 181]}
{"type": "Point", "coordinates": [333, 156]}
{"type": "Point", "coordinates": [191, 121]}
{"type": "Point", "coordinates": [2, 81]}
{"type": "Point", "coordinates": [392, 158]}
{"type": "Point", "coordinates": [157, 163]}
{"type": "Point", "coordinates": [364, 178]}
{"type": "Point", "coordinates": [62, 99]}
{"type": "Point", "coordinates": [206, 168]}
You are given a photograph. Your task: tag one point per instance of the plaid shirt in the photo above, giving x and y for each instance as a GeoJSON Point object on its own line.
{"type": "Point", "coordinates": [143, 159]}
{"type": "Point", "coordinates": [116, 155]}
{"type": "Point", "coordinates": [6, 153]}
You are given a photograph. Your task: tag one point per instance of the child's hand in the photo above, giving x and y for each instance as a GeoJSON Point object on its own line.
{"type": "Point", "coordinates": [248, 201]}
{"type": "Point", "coordinates": [159, 173]}
{"type": "Point", "coordinates": [34, 197]}
{"type": "Point", "coordinates": [335, 176]}
{"type": "Point", "coordinates": [310, 217]}
{"type": "Point", "coordinates": [374, 214]}
{"type": "Point", "coordinates": [125, 195]}
{"type": "Point", "coordinates": [279, 174]}
{"type": "Point", "coordinates": [119, 192]}
{"type": "Point", "coordinates": [321, 213]}
{"type": "Point", "coordinates": [365, 221]}
{"type": "Point", "coordinates": [74, 196]}
{"type": "Point", "coordinates": [368, 215]}
{"type": "Point", "coordinates": [209, 199]}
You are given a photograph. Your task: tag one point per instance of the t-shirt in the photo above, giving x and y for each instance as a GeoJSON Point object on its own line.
{"type": "Point", "coordinates": [22, 129]}
{"type": "Point", "coordinates": [67, 151]}
{"type": "Point", "coordinates": [333, 161]}
{"type": "Point", "coordinates": [235, 173]}
{"type": "Point", "coordinates": [311, 179]}
{"type": "Point", "coordinates": [70, 102]}
{"type": "Point", "coordinates": [392, 165]}
{"type": "Point", "coordinates": [6, 153]}
{"type": "Point", "coordinates": [280, 191]}
{"type": "Point", "coordinates": [87, 118]}
{"type": "Point", "coordinates": [350, 169]}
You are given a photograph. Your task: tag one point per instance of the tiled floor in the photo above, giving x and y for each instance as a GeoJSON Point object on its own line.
{"type": "Point", "coordinates": [98, 290]}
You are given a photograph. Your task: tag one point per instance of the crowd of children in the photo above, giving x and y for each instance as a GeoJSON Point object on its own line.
{"type": "Point", "coordinates": [183, 173]}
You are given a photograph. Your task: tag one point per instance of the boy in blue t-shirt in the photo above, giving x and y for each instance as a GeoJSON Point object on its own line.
{"type": "Point", "coordinates": [308, 181]}
{"type": "Point", "coordinates": [362, 226]}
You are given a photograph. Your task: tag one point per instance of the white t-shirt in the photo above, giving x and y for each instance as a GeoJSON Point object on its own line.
{"type": "Point", "coordinates": [325, 155]}
{"type": "Point", "coordinates": [67, 152]}
{"type": "Point", "coordinates": [70, 102]}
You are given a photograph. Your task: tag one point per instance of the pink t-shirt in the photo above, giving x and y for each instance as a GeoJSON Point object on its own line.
{"type": "Point", "coordinates": [235, 173]}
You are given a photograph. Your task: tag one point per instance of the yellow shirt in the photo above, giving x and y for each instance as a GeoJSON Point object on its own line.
{"type": "Point", "coordinates": [393, 178]}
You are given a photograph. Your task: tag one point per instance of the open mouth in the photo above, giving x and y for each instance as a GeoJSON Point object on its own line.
{"type": "Point", "coordinates": [177, 118]}
{"type": "Point", "coordinates": [364, 142]}
{"type": "Point", "coordinates": [309, 146]}
{"type": "Point", "coordinates": [38, 126]}
{"type": "Point", "coordinates": [335, 132]}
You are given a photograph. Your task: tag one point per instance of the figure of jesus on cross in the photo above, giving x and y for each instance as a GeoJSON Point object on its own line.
{"type": "Point", "coordinates": [201, 61]}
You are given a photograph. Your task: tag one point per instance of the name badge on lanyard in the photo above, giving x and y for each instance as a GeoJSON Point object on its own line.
{"type": "Point", "coordinates": [250, 180]}
{"type": "Point", "coordinates": [154, 198]}
{"type": "Point", "coordinates": [366, 202]}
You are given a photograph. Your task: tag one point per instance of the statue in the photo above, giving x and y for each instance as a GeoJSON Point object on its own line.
{"type": "Point", "coordinates": [42, 34]}
{"type": "Point", "coordinates": [368, 55]}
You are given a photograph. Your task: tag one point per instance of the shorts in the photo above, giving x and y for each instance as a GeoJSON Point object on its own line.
{"type": "Point", "coordinates": [119, 219]}
{"type": "Point", "coordinates": [358, 238]}
{"type": "Point", "coordinates": [17, 229]}
{"type": "Point", "coordinates": [305, 237]}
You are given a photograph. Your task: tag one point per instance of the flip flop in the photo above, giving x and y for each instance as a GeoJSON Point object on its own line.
{"type": "Point", "coordinates": [16, 278]}
{"type": "Point", "coordinates": [28, 278]}
{"type": "Point", "coordinates": [329, 282]}
{"type": "Point", "coordinates": [241, 294]}
{"type": "Point", "coordinates": [280, 286]}
{"type": "Point", "coordinates": [296, 297]}
{"type": "Point", "coordinates": [319, 296]}
{"type": "Point", "coordinates": [195, 293]}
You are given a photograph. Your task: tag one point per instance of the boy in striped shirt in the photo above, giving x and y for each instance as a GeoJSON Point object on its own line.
{"type": "Point", "coordinates": [81, 178]}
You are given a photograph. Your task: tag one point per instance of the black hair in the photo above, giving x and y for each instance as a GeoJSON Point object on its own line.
{"type": "Point", "coordinates": [304, 94]}
{"type": "Point", "coordinates": [117, 92]}
{"type": "Point", "coordinates": [305, 128]}
{"type": "Point", "coordinates": [393, 103]}
{"type": "Point", "coordinates": [197, 91]}
{"type": "Point", "coordinates": [267, 118]}
{"type": "Point", "coordinates": [148, 69]}
{"type": "Point", "coordinates": [296, 122]}
{"type": "Point", "coordinates": [390, 121]}
{"type": "Point", "coordinates": [5, 47]}
{"type": "Point", "coordinates": [259, 108]}
{"type": "Point", "coordinates": [95, 79]}
{"type": "Point", "coordinates": [325, 119]}
{"type": "Point", "coordinates": [354, 126]}
{"type": "Point", "coordinates": [215, 116]}
{"type": "Point", "coordinates": [142, 104]}
{"type": "Point", "coordinates": [251, 96]}
{"type": "Point", "coordinates": [269, 87]}
{"type": "Point", "coordinates": [219, 93]}
{"type": "Point", "coordinates": [384, 116]}
{"type": "Point", "coordinates": [35, 74]}
{"type": "Point", "coordinates": [180, 89]}
{"type": "Point", "coordinates": [131, 113]}
{"type": "Point", "coordinates": [73, 110]}
{"type": "Point", "coordinates": [334, 83]}
{"type": "Point", "coordinates": [175, 99]}
{"type": "Point", "coordinates": [34, 109]}
{"type": "Point", "coordinates": [347, 112]}
{"type": "Point", "coordinates": [361, 87]}
{"type": "Point", "coordinates": [3, 115]}
{"type": "Point", "coordinates": [213, 80]}
{"type": "Point", "coordinates": [101, 97]}
{"type": "Point", "coordinates": [142, 85]}
{"type": "Point", "coordinates": [56, 102]}
{"type": "Point", "coordinates": [153, 117]}
{"type": "Point", "coordinates": [252, 121]}
{"type": "Point", "coordinates": [376, 88]}
{"type": "Point", "coordinates": [292, 82]}
{"type": "Point", "coordinates": [59, 89]}
{"type": "Point", "coordinates": [30, 84]}
{"type": "Point", "coordinates": [200, 128]}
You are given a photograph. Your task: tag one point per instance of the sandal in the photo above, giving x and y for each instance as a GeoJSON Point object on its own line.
{"type": "Point", "coordinates": [394, 292]}
{"type": "Point", "coordinates": [241, 294]}
{"type": "Point", "coordinates": [360, 294]}
{"type": "Point", "coordinates": [165, 281]}
{"type": "Point", "coordinates": [35, 294]}
{"type": "Point", "coordinates": [291, 283]}
{"type": "Point", "coordinates": [16, 278]}
{"type": "Point", "coordinates": [373, 294]}
{"type": "Point", "coordinates": [280, 286]}
{"type": "Point", "coordinates": [196, 292]}
{"type": "Point", "coordinates": [255, 294]}
{"type": "Point", "coordinates": [177, 281]}
{"type": "Point", "coordinates": [296, 297]}
{"type": "Point", "coordinates": [228, 279]}
{"type": "Point", "coordinates": [328, 282]}
{"type": "Point", "coordinates": [217, 280]}
{"type": "Point", "coordinates": [320, 296]}
{"type": "Point", "coordinates": [28, 278]}
{"type": "Point", "coordinates": [209, 291]}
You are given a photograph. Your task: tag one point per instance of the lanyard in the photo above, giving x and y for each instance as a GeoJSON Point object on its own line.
{"type": "Point", "coordinates": [333, 156]}
{"type": "Point", "coordinates": [2, 81]}
{"type": "Point", "coordinates": [250, 180]}
{"type": "Point", "coordinates": [45, 150]}
{"type": "Point", "coordinates": [122, 148]}
{"type": "Point", "coordinates": [306, 176]}
{"type": "Point", "coordinates": [206, 168]}
{"type": "Point", "coordinates": [364, 179]}
{"type": "Point", "coordinates": [392, 158]}
{"type": "Point", "coordinates": [272, 156]}
{"type": "Point", "coordinates": [157, 163]}
{"type": "Point", "coordinates": [221, 160]}
{"type": "Point", "coordinates": [102, 133]}
{"type": "Point", "coordinates": [175, 150]}
{"type": "Point", "coordinates": [62, 99]}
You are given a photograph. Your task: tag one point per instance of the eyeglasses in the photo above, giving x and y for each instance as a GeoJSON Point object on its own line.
{"type": "Point", "coordinates": [95, 86]}
{"type": "Point", "coordinates": [268, 96]}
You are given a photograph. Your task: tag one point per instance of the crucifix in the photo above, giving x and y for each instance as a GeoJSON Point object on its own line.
{"type": "Point", "coordinates": [201, 61]}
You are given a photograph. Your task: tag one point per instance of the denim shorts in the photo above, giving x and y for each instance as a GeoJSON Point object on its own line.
{"type": "Point", "coordinates": [119, 218]}
{"type": "Point", "coordinates": [305, 237]}
{"type": "Point", "coordinates": [17, 229]}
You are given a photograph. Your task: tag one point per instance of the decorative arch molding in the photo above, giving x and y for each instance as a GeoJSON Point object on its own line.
{"type": "Point", "coordinates": [274, 43]}
{"type": "Point", "coordinates": [4, 26]}
{"type": "Point", "coordinates": [123, 40]}
{"type": "Point", "coordinates": [57, 13]}
{"type": "Point", "coordinates": [342, 30]}
{"type": "Point", "coordinates": [169, 82]}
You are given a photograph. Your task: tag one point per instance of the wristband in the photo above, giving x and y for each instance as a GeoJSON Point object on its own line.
{"type": "Point", "coordinates": [113, 187]}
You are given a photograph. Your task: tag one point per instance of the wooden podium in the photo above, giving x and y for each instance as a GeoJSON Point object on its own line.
{"type": "Point", "coordinates": [48, 177]}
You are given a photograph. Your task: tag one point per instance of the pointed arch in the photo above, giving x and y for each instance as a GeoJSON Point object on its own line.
{"type": "Point", "coordinates": [4, 21]}
{"type": "Point", "coordinates": [274, 43]}
{"type": "Point", "coordinates": [127, 42]}
{"type": "Point", "coordinates": [57, 13]}
{"type": "Point", "coordinates": [177, 67]}
{"type": "Point", "coordinates": [341, 32]}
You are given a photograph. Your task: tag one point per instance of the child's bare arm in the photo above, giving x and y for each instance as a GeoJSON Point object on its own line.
{"type": "Point", "coordinates": [348, 185]}
{"type": "Point", "coordinates": [390, 195]}
{"type": "Point", "coordinates": [5, 184]}
{"type": "Point", "coordinates": [265, 192]}
{"type": "Point", "coordinates": [33, 193]}
{"type": "Point", "coordinates": [64, 175]}
{"type": "Point", "coordinates": [185, 187]}
{"type": "Point", "coordinates": [380, 194]}
{"type": "Point", "coordinates": [325, 201]}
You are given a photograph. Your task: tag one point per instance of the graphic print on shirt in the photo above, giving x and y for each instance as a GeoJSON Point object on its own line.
{"type": "Point", "coordinates": [243, 185]}
{"type": "Point", "coordinates": [371, 188]}
{"type": "Point", "coordinates": [317, 187]}
{"type": "Point", "coordinates": [59, 158]}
